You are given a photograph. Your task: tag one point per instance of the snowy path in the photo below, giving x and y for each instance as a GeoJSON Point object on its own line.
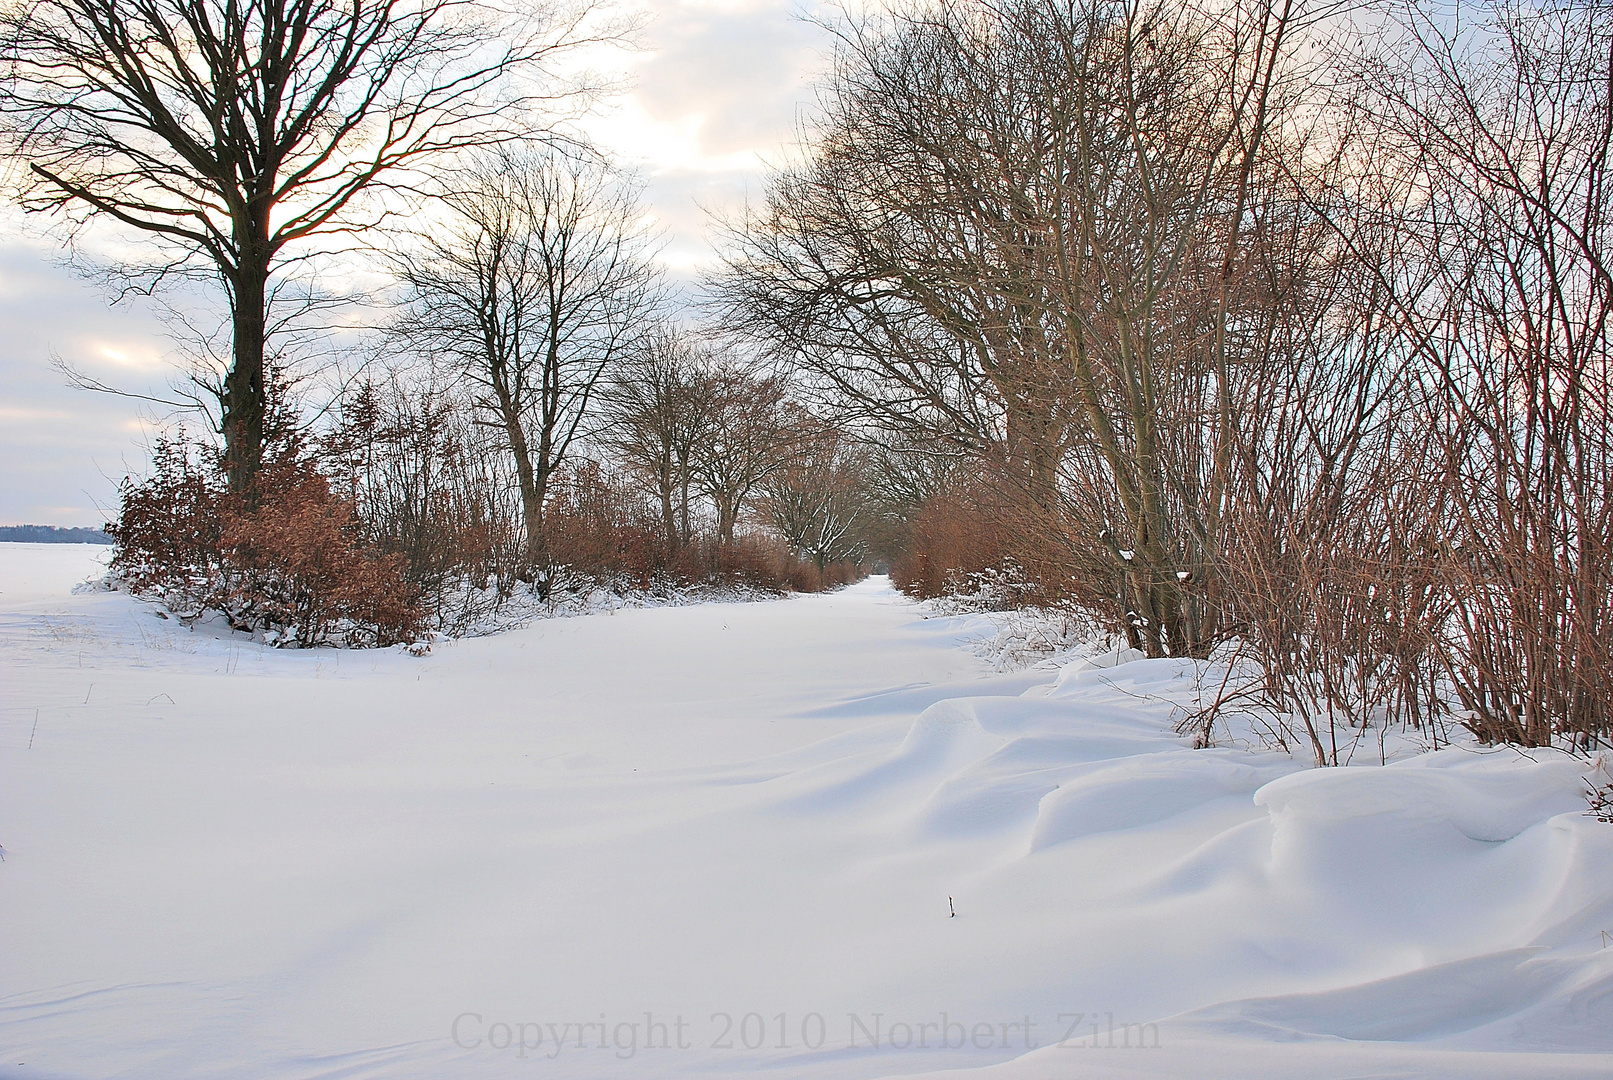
{"type": "Point", "coordinates": [737, 828]}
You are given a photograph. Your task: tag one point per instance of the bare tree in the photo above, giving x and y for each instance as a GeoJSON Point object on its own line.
{"type": "Point", "coordinates": [538, 282]}
{"type": "Point", "coordinates": [232, 132]}
{"type": "Point", "coordinates": [1022, 229]}
{"type": "Point", "coordinates": [745, 442]}
{"type": "Point", "coordinates": [818, 498]}
{"type": "Point", "coordinates": [658, 415]}
{"type": "Point", "coordinates": [868, 267]}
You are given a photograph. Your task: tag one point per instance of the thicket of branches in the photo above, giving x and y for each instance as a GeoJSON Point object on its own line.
{"type": "Point", "coordinates": [1231, 326]}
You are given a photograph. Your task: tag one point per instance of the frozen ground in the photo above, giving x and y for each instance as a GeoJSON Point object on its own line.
{"type": "Point", "coordinates": [682, 832]}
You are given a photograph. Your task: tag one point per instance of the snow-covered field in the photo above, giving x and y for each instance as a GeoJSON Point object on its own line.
{"type": "Point", "coordinates": [727, 840]}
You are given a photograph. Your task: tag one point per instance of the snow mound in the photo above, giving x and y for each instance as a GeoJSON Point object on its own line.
{"type": "Point", "coordinates": [1453, 898]}
{"type": "Point", "coordinates": [1485, 796]}
{"type": "Point", "coordinates": [1149, 789]}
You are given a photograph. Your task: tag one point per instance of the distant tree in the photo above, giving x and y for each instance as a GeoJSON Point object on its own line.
{"type": "Point", "coordinates": [533, 288]}
{"type": "Point", "coordinates": [230, 131]}
{"type": "Point", "coordinates": [51, 534]}
{"type": "Point", "coordinates": [818, 499]}
{"type": "Point", "coordinates": [746, 440]}
{"type": "Point", "coordinates": [658, 414]}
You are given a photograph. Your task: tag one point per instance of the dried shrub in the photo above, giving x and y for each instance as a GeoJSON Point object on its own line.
{"type": "Point", "coordinates": [604, 528]}
{"type": "Point", "coordinates": [982, 538]}
{"type": "Point", "coordinates": [1339, 603]}
{"type": "Point", "coordinates": [166, 541]}
{"type": "Point", "coordinates": [285, 557]}
{"type": "Point", "coordinates": [429, 485]}
{"type": "Point", "coordinates": [952, 536]}
{"type": "Point", "coordinates": [295, 567]}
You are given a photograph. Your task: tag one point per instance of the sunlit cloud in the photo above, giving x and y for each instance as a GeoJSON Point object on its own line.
{"type": "Point", "coordinates": [136, 356]}
{"type": "Point", "coordinates": [662, 145]}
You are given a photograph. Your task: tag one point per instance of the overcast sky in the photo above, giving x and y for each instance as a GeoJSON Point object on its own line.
{"type": "Point", "coordinates": [715, 94]}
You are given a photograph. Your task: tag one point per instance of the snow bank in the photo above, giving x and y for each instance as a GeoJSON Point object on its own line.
{"type": "Point", "coordinates": [810, 838]}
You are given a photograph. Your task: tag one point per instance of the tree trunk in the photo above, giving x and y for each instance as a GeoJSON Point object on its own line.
{"type": "Point", "coordinates": [684, 530]}
{"type": "Point", "coordinates": [244, 400]}
{"type": "Point", "coordinates": [535, 553]}
{"type": "Point", "coordinates": [669, 517]}
{"type": "Point", "coordinates": [1030, 443]}
{"type": "Point", "coordinates": [727, 515]}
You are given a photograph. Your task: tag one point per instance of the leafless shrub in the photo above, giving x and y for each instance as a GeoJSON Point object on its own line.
{"type": "Point", "coordinates": [1491, 138]}
{"type": "Point", "coordinates": [432, 487]}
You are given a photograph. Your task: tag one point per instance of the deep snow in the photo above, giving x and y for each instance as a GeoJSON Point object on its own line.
{"type": "Point", "coordinates": [735, 825]}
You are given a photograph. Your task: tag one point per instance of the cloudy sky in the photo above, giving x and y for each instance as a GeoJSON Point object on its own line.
{"type": "Point", "coordinates": [715, 95]}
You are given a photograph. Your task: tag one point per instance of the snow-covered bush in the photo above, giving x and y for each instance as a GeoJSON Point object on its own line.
{"type": "Point", "coordinates": [283, 558]}
{"type": "Point", "coordinates": [994, 588]}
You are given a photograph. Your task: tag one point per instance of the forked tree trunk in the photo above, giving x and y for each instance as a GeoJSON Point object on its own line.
{"type": "Point", "coordinates": [533, 483]}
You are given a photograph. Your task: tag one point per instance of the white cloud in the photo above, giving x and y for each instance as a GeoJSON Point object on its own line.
{"type": "Point", "coordinates": [63, 450]}
{"type": "Point", "coordinates": [717, 94]}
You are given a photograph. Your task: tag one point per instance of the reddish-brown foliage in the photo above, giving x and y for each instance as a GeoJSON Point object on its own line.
{"type": "Point", "coordinates": [604, 528]}
{"type": "Point", "coordinates": [166, 539]}
{"type": "Point", "coordinates": [950, 537]}
{"type": "Point", "coordinates": [283, 557]}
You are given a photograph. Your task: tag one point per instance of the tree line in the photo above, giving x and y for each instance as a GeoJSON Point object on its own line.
{"type": "Point", "coordinates": [533, 412]}
{"type": "Point", "coordinates": [51, 534]}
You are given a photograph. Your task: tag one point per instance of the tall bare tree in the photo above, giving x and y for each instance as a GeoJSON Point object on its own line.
{"type": "Point", "coordinates": [535, 285]}
{"type": "Point", "coordinates": [233, 132]}
{"type": "Point", "coordinates": [1022, 228]}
